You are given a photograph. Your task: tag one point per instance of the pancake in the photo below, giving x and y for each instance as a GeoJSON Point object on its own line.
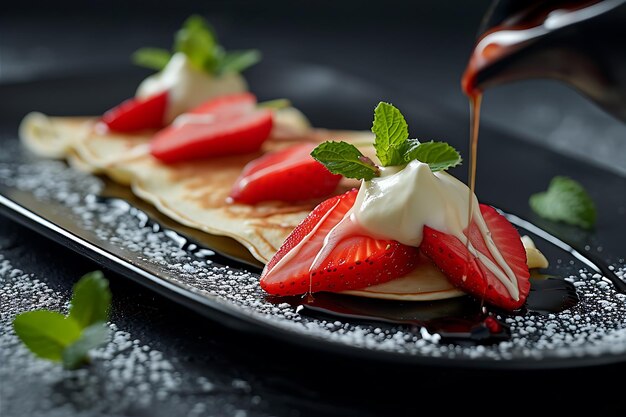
{"type": "Point", "coordinates": [425, 283]}
{"type": "Point", "coordinates": [194, 193]}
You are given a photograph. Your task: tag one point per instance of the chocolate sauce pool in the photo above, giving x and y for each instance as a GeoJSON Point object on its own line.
{"type": "Point", "coordinates": [458, 320]}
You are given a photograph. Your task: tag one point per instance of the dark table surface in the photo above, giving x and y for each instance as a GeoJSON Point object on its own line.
{"type": "Point", "coordinates": [165, 360]}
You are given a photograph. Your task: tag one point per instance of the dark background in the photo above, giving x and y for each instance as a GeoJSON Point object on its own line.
{"type": "Point", "coordinates": [419, 47]}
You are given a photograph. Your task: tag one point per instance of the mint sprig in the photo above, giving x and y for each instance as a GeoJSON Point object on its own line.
{"type": "Point", "coordinates": [68, 339]}
{"type": "Point", "coordinates": [392, 145]}
{"type": "Point", "coordinates": [197, 39]}
{"type": "Point", "coordinates": [565, 201]}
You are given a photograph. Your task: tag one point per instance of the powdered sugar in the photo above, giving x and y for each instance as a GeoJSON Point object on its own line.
{"type": "Point", "coordinates": [124, 376]}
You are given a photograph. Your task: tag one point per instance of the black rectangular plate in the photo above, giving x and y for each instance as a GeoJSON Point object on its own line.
{"type": "Point", "coordinates": [77, 210]}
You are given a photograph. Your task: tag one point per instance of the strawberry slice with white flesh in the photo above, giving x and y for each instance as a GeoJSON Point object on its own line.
{"type": "Point", "coordinates": [137, 114]}
{"type": "Point", "coordinates": [355, 261]}
{"type": "Point", "coordinates": [229, 125]}
{"type": "Point", "coordinates": [471, 273]}
{"type": "Point", "coordinates": [290, 174]}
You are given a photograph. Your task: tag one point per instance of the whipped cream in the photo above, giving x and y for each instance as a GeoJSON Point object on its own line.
{"type": "Point", "coordinates": [188, 86]}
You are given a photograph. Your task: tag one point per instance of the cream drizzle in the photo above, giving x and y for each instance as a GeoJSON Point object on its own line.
{"type": "Point", "coordinates": [294, 251]}
{"type": "Point", "coordinates": [347, 226]}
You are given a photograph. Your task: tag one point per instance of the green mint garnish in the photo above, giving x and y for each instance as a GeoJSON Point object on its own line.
{"type": "Point", "coordinates": [276, 104]}
{"type": "Point", "coordinates": [197, 39]}
{"type": "Point", "coordinates": [68, 339]}
{"type": "Point", "coordinates": [91, 337]}
{"type": "Point", "coordinates": [46, 333]}
{"type": "Point", "coordinates": [391, 132]}
{"type": "Point", "coordinates": [153, 58]}
{"type": "Point", "coordinates": [392, 145]}
{"type": "Point", "coordinates": [438, 155]}
{"type": "Point", "coordinates": [237, 61]}
{"type": "Point", "coordinates": [91, 300]}
{"type": "Point", "coordinates": [566, 201]}
{"type": "Point", "coordinates": [345, 159]}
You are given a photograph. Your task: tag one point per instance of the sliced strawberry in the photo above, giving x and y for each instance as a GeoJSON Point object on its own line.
{"type": "Point", "coordinates": [217, 137]}
{"type": "Point", "coordinates": [227, 106]}
{"type": "Point", "coordinates": [356, 261]}
{"type": "Point", "coordinates": [470, 274]}
{"type": "Point", "coordinates": [290, 174]}
{"type": "Point", "coordinates": [137, 114]}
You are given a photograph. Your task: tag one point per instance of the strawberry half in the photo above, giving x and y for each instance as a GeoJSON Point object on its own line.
{"type": "Point", "coordinates": [357, 261]}
{"type": "Point", "coordinates": [229, 125]}
{"type": "Point", "coordinates": [290, 174]}
{"type": "Point", "coordinates": [230, 105]}
{"type": "Point", "coordinates": [137, 114]}
{"type": "Point", "coordinates": [470, 274]}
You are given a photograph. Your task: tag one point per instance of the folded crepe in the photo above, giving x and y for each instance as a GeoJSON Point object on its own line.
{"type": "Point", "coordinates": [195, 193]}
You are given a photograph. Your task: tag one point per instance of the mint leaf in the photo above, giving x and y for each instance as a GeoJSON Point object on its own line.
{"type": "Point", "coordinates": [438, 155]}
{"type": "Point", "coordinates": [53, 336]}
{"type": "Point", "coordinates": [196, 39]}
{"type": "Point", "coordinates": [91, 300]}
{"type": "Point", "coordinates": [77, 353]}
{"type": "Point", "coordinates": [276, 104]}
{"type": "Point", "coordinates": [391, 132]}
{"type": "Point", "coordinates": [46, 333]}
{"type": "Point", "coordinates": [566, 201]}
{"type": "Point", "coordinates": [153, 58]}
{"type": "Point", "coordinates": [237, 61]}
{"type": "Point", "coordinates": [345, 159]}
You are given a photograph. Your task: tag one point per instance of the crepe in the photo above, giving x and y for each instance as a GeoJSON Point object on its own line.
{"type": "Point", "coordinates": [194, 193]}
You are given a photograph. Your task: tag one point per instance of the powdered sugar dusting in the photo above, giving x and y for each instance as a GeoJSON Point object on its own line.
{"type": "Point", "coordinates": [595, 326]}
{"type": "Point", "coordinates": [129, 374]}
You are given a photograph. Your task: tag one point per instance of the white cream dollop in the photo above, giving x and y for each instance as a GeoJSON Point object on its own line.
{"type": "Point", "coordinates": [188, 86]}
{"type": "Point", "coordinates": [400, 202]}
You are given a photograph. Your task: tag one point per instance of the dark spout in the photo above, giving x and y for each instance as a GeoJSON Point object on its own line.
{"type": "Point", "coordinates": [581, 43]}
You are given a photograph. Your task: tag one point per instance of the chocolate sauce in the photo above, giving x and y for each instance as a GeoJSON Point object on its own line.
{"type": "Point", "coordinates": [459, 320]}
{"type": "Point", "coordinates": [551, 295]}
{"type": "Point", "coordinates": [475, 102]}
